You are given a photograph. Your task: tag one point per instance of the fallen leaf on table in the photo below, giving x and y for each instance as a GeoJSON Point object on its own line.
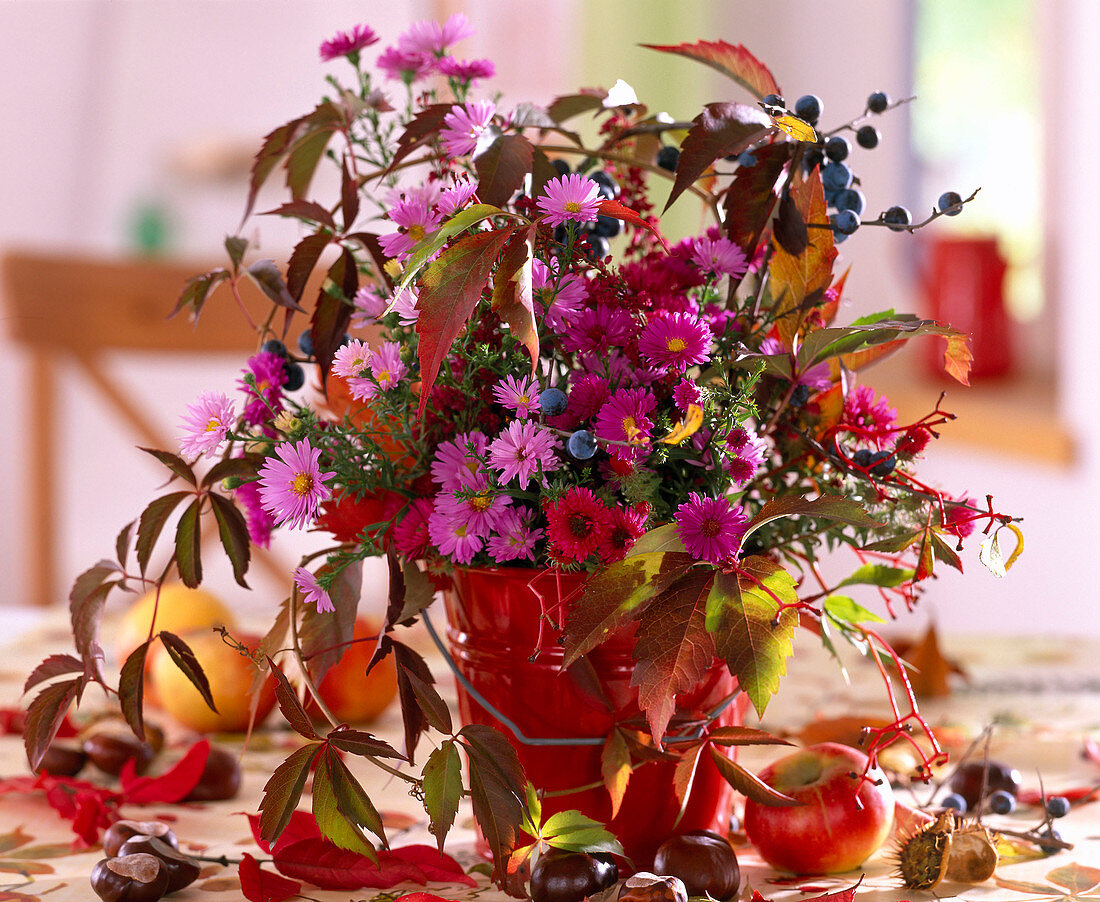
{"type": "Point", "coordinates": [930, 669]}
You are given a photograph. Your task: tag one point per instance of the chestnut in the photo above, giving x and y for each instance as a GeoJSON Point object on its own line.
{"type": "Point", "coordinates": [110, 751]}
{"type": "Point", "coordinates": [221, 778]}
{"type": "Point", "coordinates": [182, 869]}
{"type": "Point", "coordinates": [705, 862]}
{"type": "Point", "coordinates": [560, 876]}
{"type": "Point", "coordinates": [968, 779]}
{"type": "Point", "coordinates": [646, 887]}
{"type": "Point", "coordinates": [62, 760]}
{"type": "Point", "coordinates": [133, 878]}
{"type": "Point", "coordinates": [120, 831]}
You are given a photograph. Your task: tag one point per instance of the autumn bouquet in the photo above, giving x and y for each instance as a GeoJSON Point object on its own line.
{"type": "Point", "coordinates": [483, 351]}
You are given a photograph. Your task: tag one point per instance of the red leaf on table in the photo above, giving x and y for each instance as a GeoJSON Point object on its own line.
{"type": "Point", "coordinates": [171, 786]}
{"type": "Point", "coordinates": [302, 825]}
{"type": "Point", "coordinates": [436, 865]}
{"type": "Point", "coordinates": [1074, 794]}
{"type": "Point", "coordinates": [319, 862]}
{"type": "Point", "coordinates": [258, 885]}
{"type": "Point", "coordinates": [422, 897]}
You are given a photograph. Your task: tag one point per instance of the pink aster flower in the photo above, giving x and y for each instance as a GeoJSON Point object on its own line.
{"type": "Point", "coordinates": [259, 521]}
{"type": "Point", "coordinates": [414, 219]}
{"type": "Point", "coordinates": [401, 65]}
{"type": "Point", "coordinates": [458, 461]}
{"type": "Point", "coordinates": [522, 396]}
{"type": "Point", "coordinates": [577, 525]}
{"type": "Point", "coordinates": [466, 70]}
{"type": "Point", "coordinates": [719, 257]}
{"type": "Point", "coordinates": [514, 539]}
{"type": "Point", "coordinates": [269, 372]}
{"type": "Point", "coordinates": [404, 304]}
{"type": "Point", "coordinates": [463, 125]}
{"type": "Point", "coordinates": [625, 418]}
{"type": "Point", "coordinates": [521, 450]}
{"type": "Point", "coordinates": [309, 587]}
{"type": "Point", "coordinates": [675, 342]}
{"type": "Point", "coordinates": [206, 422]}
{"type": "Point", "coordinates": [454, 199]}
{"type": "Point", "coordinates": [742, 462]}
{"type": "Point", "coordinates": [293, 486]}
{"type": "Point", "coordinates": [560, 298]}
{"type": "Point", "coordinates": [710, 528]}
{"type": "Point", "coordinates": [597, 329]}
{"type": "Point", "coordinates": [386, 366]}
{"type": "Point", "coordinates": [348, 43]}
{"type": "Point", "coordinates": [433, 38]}
{"type": "Point", "coordinates": [351, 359]}
{"type": "Point", "coordinates": [410, 536]}
{"type": "Point", "coordinates": [369, 304]}
{"type": "Point", "coordinates": [570, 198]}
{"type": "Point", "coordinates": [453, 537]}
{"type": "Point", "coordinates": [685, 393]}
{"type": "Point", "coordinates": [478, 506]}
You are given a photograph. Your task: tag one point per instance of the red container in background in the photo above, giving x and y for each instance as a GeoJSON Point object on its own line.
{"type": "Point", "coordinates": [963, 282]}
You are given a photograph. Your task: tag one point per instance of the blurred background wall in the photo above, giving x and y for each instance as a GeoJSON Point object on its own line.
{"type": "Point", "coordinates": [130, 125]}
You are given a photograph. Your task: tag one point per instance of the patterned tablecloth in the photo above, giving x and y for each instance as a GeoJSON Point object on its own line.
{"type": "Point", "coordinates": [1043, 695]}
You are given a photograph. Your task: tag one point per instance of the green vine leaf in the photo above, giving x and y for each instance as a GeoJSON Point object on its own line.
{"type": "Point", "coordinates": [442, 789]}
{"type": "Point", "coordinates": [881, 575]}
{"type": "Point", "coordinates": [341, 807]}
{"type": "Point", "coordinates": [131, 689]}
{"type": "Point", "coordinates": [197, 290]}
{"type": "Point", "coordinates": [189, 545]}
{"type": "Point", "coordinates": [181, 654]}
{"type": "Point", "coordinates": [283, 790]}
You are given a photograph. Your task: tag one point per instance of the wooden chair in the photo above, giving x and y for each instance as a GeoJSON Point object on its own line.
{"type": "Point", "coordinates": [64, 308]}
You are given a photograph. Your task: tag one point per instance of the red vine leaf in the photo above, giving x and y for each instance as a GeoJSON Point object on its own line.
{"type": "Point", "coordinates": [303, 259]}
{"type": "Point", "coordinates": [748, 784]}
{"type": "Point", "coordinates": [513, 296]}
{"type": "Point", "coordinates": [300, 826]}
{"type": "Point", "coordinates": [258, 885]}
{"type": "Point", "coordinates": [957, 356]}
{"type": "Point", "coordinates": [332, 314]}
{"type": "Point", "coordinates": [434, 863]}
{"type": "Point", "coordinates": [233, 532]}
{"type": "Point", "coordinates": [502, 167]}
{"type": "Point", "coordinates": [174, 785]}
{"type": "Point", "coordinates": [751, 197]}
{"type": "Point", "coordinates": [289, 704]}
{"type": "Point", "coordinates": [197, 290]}
{"type": "Point", "coordinates": [131, 689]}
{"type": "Point", "coordinates": [408, 662]}
{"type": "Point", "coordinates": [189, 545]}
{"type": "Point", "coordinates": [181, 654]}
{"type": "Point", "coordinates": [732, 60]}
{"type": "Point", "coordinates": [615, 768]}
{"type": "Point", "coordinates": [613, 208]}
{"type": "Point", "coordinates": [423, 127]}
{"type": "Point", "coordinates": [151, 524]}
{"type": "Point", "coordinates": [431, 703]}
{"type": "Point", "coordinates": [44, 716]}
{"type": "Point", "coordinates": [53, 666]}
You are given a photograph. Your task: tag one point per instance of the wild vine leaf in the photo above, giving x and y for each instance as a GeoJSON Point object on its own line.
{"type": "Point", "coordinates": [957, 356]}
{"type": "Point", "coordinates": [610, 207]}
{"type": "Point", "coordinates": [244, 468]}
{"type": "Point", "coordinates": [496, 789]}
{"type": "Point", "coordinates": [173, 462]}
{"type": "Point", "coordinates": [258, 885]}
{"type": "Point", "coordinates": [283, 790]}
{"type": "Point", "coordinates": [751, 196]}
{"type": "Point", "coordinates": [748, 784]}
{"type": "Point", "coordinates": [182, 656]}
{"type": "Point", "coordinates": [732, 60]}
{"type": "Point", "coordinates": [349, 196]}
{"type": "Point", "coordinates": [1075, 877]}
{"type": "Point", "coordinates": [86, 601]}
{"type": "Point", "coordinates": [53, 666]}
{"type": "Point", "coordinates": [576, 832]}
{"type": "Point", "coordinates": [735, 735]}
{"type": "Point", "coordinates": [303, 260]}
{"type": "Point", "coordinates": [422, 128]}
{"type": "Point", "coordinates": [433, 242]}
{"type": "Point", "coordinates": [882, 575]}
{"type": "Point", "coordinates": [513, 295]}
{"type": "Point", "coordinates": [568, 106]}
{"type": "Point", "coordinates": [442, 788]}
{"type": "Point", "coordinates": [825, 507]}
{"type": "Point", "coordinates": [431, 703]}
{"type": "Point", "coordinates": [341, 807]}
{"type": "Point", "coordinates": [122, 543]}
{"type": "Point", "coordinates": [289, 705]}
{"type": "Point", "coordinates": [324, 637]}
{"type": "Point", "coordinates": [131, 689]}
{"type": "Point", "coordinates": [189, 545]}
{"type": "Point", "coordinates": [308, 211]}
{"type": "Point", "coordinates": [615, 768]}
{"type": "Point", "coordinates": [750, 635]}
{"type": "Point", "coordinates": [409, 662]}
{"type": "Point", "coordinates": [233, 532]}
{"type": "Point", "coordinates": [332, 313]}
{"type": "Point", "coordinates": [673, 649]}
{"type": "Point", "coordinates": [44, 716]}
{"type": "Point", "coordinates": [197, 290]}
{"type": "Point", "coordinates": [357, 742]}
{"type": "Point", "coordinates": [151, 524]}
{"type": "Point", "coordinates": [502, 167]}
{"type": "Point", "coordinates": [683, 777]}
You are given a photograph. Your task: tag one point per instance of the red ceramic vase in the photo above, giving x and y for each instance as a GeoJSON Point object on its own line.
{"type": "Point", "coordinates": [493, 626]}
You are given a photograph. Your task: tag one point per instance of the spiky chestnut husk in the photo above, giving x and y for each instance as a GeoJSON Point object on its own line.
{"type": "Point", "coordinates": [947, 849]}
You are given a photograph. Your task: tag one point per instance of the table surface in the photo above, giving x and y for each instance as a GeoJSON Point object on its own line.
{"type": "Point", "coordinates": [1043, 695]}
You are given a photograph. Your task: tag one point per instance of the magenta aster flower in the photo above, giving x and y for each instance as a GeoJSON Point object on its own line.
{"type": "Point", "coordinates": [742, 462]}
{"type": "Point", "coordinates": [685, 393]}
{"type": "Point", "coordinates": [463, 125]}
{"type": "Point", "coordinates": [710, 528]}
{"type": "Point", "coordinates": [414, 219]}
{"type": "Point", "coordinates": [386, 366]}
{"type": "Point", "coordinates": [521, 450]}
{"type": "Point", "coordinates": [410, 536]}
{"type": "Point", "coordinates": [560, 298]}
{"type": "Point", "coordinates": [432, 38]}
{"type": "Point", "coordinates": [206, 422]}
{"type": "Point", "coordinates": [309, 587]}
{"type": "Point", "coordinates": [259, 522]}
{"type": "Point", "coordinates": [522, 396]}
{"type": "Point", "coordinates": [453, 537]}
{"type": "Point", "coordinates": [676, 341]}
{"type": "Point", "coordinates": [570, 198]}
{"type": "Point", "coordinates": [351, 359]}
{"type": "Point", "coordinates": [401, 65]}
{"type": "Point", "coordinates": [625, 418]}
{"type": "Point", "coordinates": [719, 257]}
{"type": "Point", "coordinates": [597, 329]}
{"type": "Point", "coordinates": [348, 43]}
{"type": "Point", "coordinates": [627, 526]}
{"type": "Point", "coordinates": [466, 70]}
{"type": "Point", "coordinates": [293, 486]}
{"type": "Point", "coordinates": [864, 410]}
{"type": "Point", "coordinates": [514, 540]}
{"type": "Point", "coordinates": [458, 461]}
{"type": "Point", "coordinates": [587, 394]}
{"type": "Point", "coordinates": [577, 525]}
{"type": "Point", "coordinates": [269, 372]}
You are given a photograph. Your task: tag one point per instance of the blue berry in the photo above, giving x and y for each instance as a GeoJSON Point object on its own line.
{"type": "Point", "coordinates": [295, 376]}
{"type": "Point", "coordinates": [609, 188]}
{"type": "Point", "coordinates": [896, 218]}
{"type": "Point", "coordinates": [878, 102]}
{"type": "Point", "coordinates": [1002, 802]}
{"type": "Point", "coordinates": [667, 157]}
{"type": "Point", "coordinates": [862, 457]}
{"type": "Point", "coordinates": [552, 401]}
{"type": "Point", "coordinates": [867, 136]}
{"type": "Point", "coordinates": [800, 395]}
{"type": "Point", "coordinates": [808, 107]}
{"type": "Point", "coordinates": [561, 166]}
{"type": "Point", "coordinates": [581, 444]}
{"type": "Point", "coordinates": [745, 159]}
{"type": "Point", "coordinates": [1057, 806]}
{"type": "Point", "coordinates": [1049, 848]}
{"type": "Point", "coordinates": [595, 247]}
{"type": "Point", "coordinates": [607, 226]}
{"type": "Point", "coordinates": [844, 222]}
{"type": "Point", "coordinates": [883, 463]}
{"type": "Point", "coordinates": [773, 100]}
{"type": "Point", "coordinates": [950, 203]}
{"type": "Point", "coordinates": [811, 158]}
{"type": "Point", "coordinates": [850, 199]}
{"type": "Point", "coordinates": [305, 343]}
{"type": "Point", "coordinates": [836, 176]}
{"type": "Point", "coordinates": [837, 148]}
{"type": "Point", "coordinates": [274, 346]}
{"type": "Point", "coordinates": [955, 802]}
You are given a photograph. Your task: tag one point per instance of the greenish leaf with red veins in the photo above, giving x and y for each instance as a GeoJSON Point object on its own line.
{"type": "Point", "coordinates": [245, 468]}
{"type": "Point", "coordinates": [131, 689]}
{"type": "Point", "coordinates": [422, 128]}
{"type": "Point", "coordinates": [442, 789]}
{"type": "Point", "coordinates": [673, 648]}
{"type": "Point", "coordinates": [450, 289]}
{"type": "Point", "coordinates": [567, 106]}
{"type": "Point", "coordinates": [617, 210]}
{"type": "Point", "coordinates": [720, 130]}
{"type": "Point", "coordinates": [924, 555]}
{"type": "Point", "coordinates": [358, 742]}
{"type": "Point", "coordinates": [233, 532]}
{"type": "Point", "coordinates": [943, 551]}
{"type": "Point", "coordinates": [790, 230]}
{"type": "Point", "coordinates": [741, 614]}
{"type": "Point", "coordinates": [258, 885]}
{"type": "Point", "coordinates": [733, 735]}
{"type": "Point", "coordinates": [44, 716]}
{"type": "Point", "coordinates": [122, 543]}
{"type": "Point", "coordinates": [432, 243]}
{"type": "Point", "coordinates": [197, 290]}
{"type": "Point", "coordinates": [303, 260]}
{"type": "Point", "coordinates": [798, 281]}
{"type": "Point", "coordinates": [957, 356]}
{"type": "Point", "coordinates": [433, 706]}
{"type": "Point", "coordinates": [615, 768]}
{"type": "Point", "coordinates": [616, 595]}
{"type": "Point", "coordinates": [235, 247]}
{"type": "Point", "coordinates": [894, 544]}
{"type": "Point", "coordinates": [289, 704]}
{"type": "Point", "coordinates": [53, 666]}
{"type": "Point", "coordinates": [325, 637]}
{"type": "Point", "coordinates": [341, 807]}
{"type": "Point", "coordinates": [151, 524]}
{"type": "Point", "coordinates": [732, 60]}
{"type": "Point", "coordinates": [331, 316]}
{"type": "Point", "coordinates": [269, 280]}
{"type": "Point", "coordinates": [843, 610]}
{"type": "Point", "coordinates": [182, 656]}
{"type": "Point", "coordinates": [513, 296]}
{"type": "Point", "coordinates": [302, 161]}
{"type": "Point", "coordinates": [502, 167]}
{"type": "Point", "coordinates": [573, 831]}
{"type": "Point", "coordinates": [825, 507]}
{"type": "Point", "coordinates": [349, 196]}
{"type": "Point", "coordinates": [173, 462]}
{"type": "Point", "coordinates": [748, 784]}
{"type": "Point", "coordinates": [683, 777]}
{"type": "Point", "coordinates": [86, 601]}
{"type": "Point", "coordinates": [283, 790]}
{"type": "Point", "coordinates": [1075, 877]}
{"type": "Point", "coordinates": [189, 545]}
{"type": "Point", "coordinates": [409, 661]}
{"type": "Point", "coordinates": [751, 196]}
{"type": "Point", "coordinates": [305, 210]}
{"type": "Point", "coordinates": [496, 789]}
{"type": "Point", "coordinates": [864, 337]}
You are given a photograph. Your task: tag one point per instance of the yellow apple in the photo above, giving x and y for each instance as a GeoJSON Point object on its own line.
{"type": "Point", "coordinates": [179, 611]}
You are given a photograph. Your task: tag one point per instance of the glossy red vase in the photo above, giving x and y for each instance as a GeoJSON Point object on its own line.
{"type": "Point", "coordinates": [494, 616]}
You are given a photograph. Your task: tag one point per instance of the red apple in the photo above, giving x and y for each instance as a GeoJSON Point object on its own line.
{"type": "Point", "coordinates": [841, 820]}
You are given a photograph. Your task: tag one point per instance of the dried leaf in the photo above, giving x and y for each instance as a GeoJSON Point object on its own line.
{"type": "Point", "coordinates": [1075, 877]}
{"type": "Point", "coordinates": [748, 784]}
{"type": "Point", "coordinates": [825, 507]}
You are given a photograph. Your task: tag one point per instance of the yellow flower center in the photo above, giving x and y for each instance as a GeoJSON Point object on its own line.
{"type": "Point", "coordinates": [302, 484]}
{"type": "Point", "coordinates": [383, 377]}
{"type": "Point", "coordinates": [213, 425]}
{"type": "Point", "coordinates": [630, 428]}
{"type": "Point", "coordinates": [416, 232]}
{"type": "Point", "coordinates": [523, 399]}
{"type": "Point", "coordinates": [572, 206]}
{"type": "Point", "coordinates": [263, 386]}
{"type": "Point", "coordinates": [481, 502]}
{"type": "Point", "coordinates": [676, 345]}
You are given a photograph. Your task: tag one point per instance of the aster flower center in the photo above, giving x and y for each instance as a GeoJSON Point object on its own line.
{"type": "Point", "coordinates": [481, 502]}
{"type": "Point", "coordinates": [630, 428]}
{"type": "Point", "coordinates": [416, 232]}
{"type": "Point", "coordinates": [302, 483]}
{"type": "Point", "coordinates": [213, 425]}
{"type": "Point", "coordinates": [571, 206]}
{"type": "Point", "coordinates": [676, 345]}
{"type": "Point", "coordinates": [580, 526]}
{"type": "Point", "coordinates": [710, 528]}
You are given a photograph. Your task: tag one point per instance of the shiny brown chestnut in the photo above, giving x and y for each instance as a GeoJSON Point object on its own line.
{"type": "Point", "coordinates": [133, 878]}
{"type": "Point", "coordinates": [968, 778]}
{"type": "Point", "coordinates": [646, 887]}
{"type": "Point", "coordinates": [221, 778]}
{"type": "Point", "coordinates": [705, 862]}
{"type": "Point", "coordinates": [120, 831]}
{"type": "Point", "coordinates": [110, 751]}
{"type": "Point", "coordinates": [560, 876]}
{"type": "Point", "coordinates": [62, 760]}
{"type": "Point", "coordinates": [182, 869]}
